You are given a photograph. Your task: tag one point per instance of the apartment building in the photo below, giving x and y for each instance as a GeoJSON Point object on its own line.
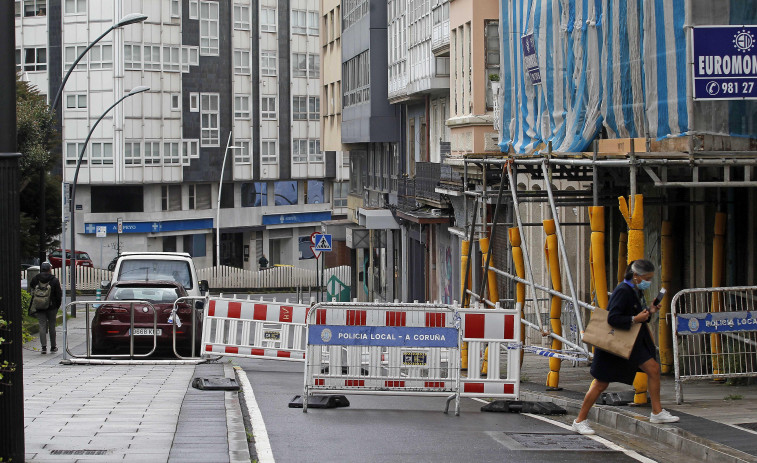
{"type": "Point", "coordinates": [243, 73]}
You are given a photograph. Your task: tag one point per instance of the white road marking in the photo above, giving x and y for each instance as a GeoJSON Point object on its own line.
{"type": "Point", "coordinates": [611, 445]}
{"type": "Point", "coordinates": [262, 444]}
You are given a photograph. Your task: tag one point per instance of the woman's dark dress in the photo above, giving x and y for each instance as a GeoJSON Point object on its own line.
{"type": "Point", "coordinates": [624, 304]}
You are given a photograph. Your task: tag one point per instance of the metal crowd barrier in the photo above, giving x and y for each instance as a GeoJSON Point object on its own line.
{"type": "Point", "coordinates": [176, 322]}
{"type": "Point", "coordinates": [714, 334]}
{"type": "Point", "coordinates": [383, 349]}
{"type": "Point", "coordinates": [245, 328]}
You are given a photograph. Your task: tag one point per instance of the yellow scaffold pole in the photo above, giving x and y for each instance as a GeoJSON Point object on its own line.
{"type": "Point", "coordinates": [553, 263]}
{"type": "Point", "coordinates": [635, 220]}
{"type": "Point", "coordinates": [464, 250]}
{"type": "Point", "coordinates": [718, 241]}
{"type": "Point", "coordinates": [491, 285]}
{"type": "Point", "coordinates": [666, 274]}
{"type": "Point", "coordinates": [597, 254]}
{"type": "Point", "coordinates": [520, 270]}
{"type": "Point", "coordinates": [622, 255]}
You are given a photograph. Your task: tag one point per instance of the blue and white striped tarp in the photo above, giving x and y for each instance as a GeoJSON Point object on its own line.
{"type": "Point", "coordinates": [617, 63]}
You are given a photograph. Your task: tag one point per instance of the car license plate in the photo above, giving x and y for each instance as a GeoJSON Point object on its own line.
{"type": "Point", "coordinates": [414, 358]}
{"type": "Point", "coordinates": [146, 331]}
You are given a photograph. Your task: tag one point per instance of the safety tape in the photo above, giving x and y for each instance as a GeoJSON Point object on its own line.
{"type": "Point", "coordinates": [552, 353]}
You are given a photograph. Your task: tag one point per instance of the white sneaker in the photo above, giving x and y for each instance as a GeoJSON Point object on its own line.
{"type": "Point", "coordinates": [583, 428]}
{"type": "Point", "coordinates": [663, 417]}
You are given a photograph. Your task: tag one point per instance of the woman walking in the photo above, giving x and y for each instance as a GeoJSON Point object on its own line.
{"type": "Point", "coordinates": [626, 307]}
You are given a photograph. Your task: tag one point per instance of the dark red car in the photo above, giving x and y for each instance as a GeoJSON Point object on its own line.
{"type": "Point", "coordinates": [111, 327]}
{"type": "Point", "coordinates": [56, 259]}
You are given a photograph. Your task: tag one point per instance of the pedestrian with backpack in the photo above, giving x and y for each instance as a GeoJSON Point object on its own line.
{"type": "Point", "coordinates": [46, 299]}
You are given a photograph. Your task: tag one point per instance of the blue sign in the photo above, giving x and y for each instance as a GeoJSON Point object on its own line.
{"type": "Point", "coordinates": [725, 62]}
{"type": "Point", "coordinates": [322, 242]}
{"type": "Point", "coordinates": [530, 62]}
{"type": "Point", "coordinates": [151, 227]}
{"type": "Point", "coordinates": [302, 217]}
{"type": "Point", "coordinates": [386, 336]}
{"type": "Point", "coordinates": [716, 322]}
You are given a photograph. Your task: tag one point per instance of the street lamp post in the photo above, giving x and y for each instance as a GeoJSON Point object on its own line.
{"type": "Point", "coordinates": [133, 92]}
{"type": "Point", "coordinates": [218, 201]}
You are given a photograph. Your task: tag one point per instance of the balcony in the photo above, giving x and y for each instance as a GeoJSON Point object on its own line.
{"type": "Point", "coordinates": [406, 194]}
{"type": "Point", "coordinates": [427, 176]}
{"type": "Point", "coordinates": [440, 39]}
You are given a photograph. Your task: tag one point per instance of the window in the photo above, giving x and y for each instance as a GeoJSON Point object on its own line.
{"type": "Point", "coordinates": [171, 153]}
{"type": "Point", "coordinates": [209, 28]}
{"type": "Point", "coordinates": [313, 23]}
{"type": "Point", "coordinates": [199, 196]}
{"type": "Point", "coordinates": [299, 22]}
{"type": "Point", "coordinates": [152, 57]}
{"type": "Point", "coordinates": [190, 150]}
{"type": "Point", "coordinates": [34, 7]}
{"type": "Point", "coordinates": [299, 108]}
{"type": "Point", "coordinates": [194, 102]}
{"type": "Point", "coordinates": [267, 20]}
{"type": "Point", "coordinates": [132, 56]}
{"type": "Point", "coordinates": [268, 152]}
{"type": "Point", "coordinates": [285, 193]}
{"type": "Point", "coordinates": [75, 6]}
{"type": "Point", "coordinates": [73, 149]}
{"type": "Point", "coordinates": [242, 17]}
{"type": "Point", "coordinates": [314, 108]}
{"type": "Point", "coordinates": [268, 63]}
{"type": "Point", "coordinates": [76, 101]}
{"type": "Point", "coordinates": [352, 11]}
{"type": "Point", "coordinates": [306, 65]}
{"type": "Point", "coordinates": [101, 153]}
{"type": "Point", "coordinates": [314, 192]}
{"type": "Point", "coordinates": [175, 9]}
{"type": "Point", "coordinates": [227, 196]}
{"type": "Point", "coordinates": [152, 153]}
{"type": "Point", "coordinates": [299, 150]}
{"type": "Point", "coordinates": [172, 59]}
{"type": "Point", "coordinates": [241, 107]}
{"type": "Point", "coordinates": [356, 80]}
{"type": "Point", "coordinates": [101, 57]}
{"type": "Point", "coordinates": [242, 152]}
{"type": "Point", "coordinates": [194, 245]}
{"type": "Point", "coordinates": [268, 107]}
{"type": "Point", "coordinates": [117, 198]}
{"type": "Point", "coordinates": [171, 197]}
{"type": "Point", "coordinates": [194, 9]}
{"type": "Point", "coordinates": [176, 102]}
{"type": "Point", "coordinates": [209, 132]}
{"type": "Point", "coordinates": [133, 153]}
{"type": "Point", "coordinates": [18, 8]}
{"type": "Point", "coordinates": [304, 247]}
{"type": "Point", "coordinates": [491, 49]}
{"type": "Point", "coordinates": [71, 53]}
{"type": "Point", "coordinates": [190, 56]}
{"type": "Point", "coordinates": [341, 189]}
{"type": "Point", "coordinates": [254, 194]}
{"type": "Point", "coordinates": [35, 59]}
{"type": "Point", "coordinates": [314, 150]}
{"type": "Point", "coordinates": [241, 62]}
{"type": "Point", "coordinates": [18, 59]}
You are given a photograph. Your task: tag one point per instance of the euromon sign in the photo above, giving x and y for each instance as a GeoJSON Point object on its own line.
{"type": "Point", "coordinates": [724, 62]}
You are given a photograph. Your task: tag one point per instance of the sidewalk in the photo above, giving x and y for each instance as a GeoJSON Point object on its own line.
{"type": "Point", "coordinates": [712, 428]}
{"type": "Point", "coordinates": [141, 412]}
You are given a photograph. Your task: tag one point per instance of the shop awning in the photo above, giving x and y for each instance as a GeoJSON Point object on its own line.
{"type": "Point", "coordinates": [377, 219]}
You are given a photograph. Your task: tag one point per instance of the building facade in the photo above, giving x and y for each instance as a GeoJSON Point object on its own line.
{"type": "Point", "coordinates": [242, 73]}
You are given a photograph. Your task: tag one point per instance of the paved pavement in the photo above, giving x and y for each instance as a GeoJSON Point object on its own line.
{"type": "Point", "coordinates": [142, 412]}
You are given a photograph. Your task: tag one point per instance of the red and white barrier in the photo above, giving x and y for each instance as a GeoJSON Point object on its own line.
{"type": "Point", "coordinates": [245, 328]}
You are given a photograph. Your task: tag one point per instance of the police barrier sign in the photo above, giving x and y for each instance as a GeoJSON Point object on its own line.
{"type": "Point", "coordinates": [716, 322]}
{"type": "Point", "coordinates": [386, 336]}
{"type": "Point", "coordinates": [725, 62]}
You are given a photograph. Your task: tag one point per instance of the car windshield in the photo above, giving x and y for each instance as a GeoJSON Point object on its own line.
{"type": "Point", "coordinates": [140, 293]}
{"type": "Point", "coordinates": [152, 270]}
{"type": "Point", "coordinates": [82, 256]}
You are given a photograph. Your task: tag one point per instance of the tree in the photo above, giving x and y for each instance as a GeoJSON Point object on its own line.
{"type": "Point", "coordinates": [36, 141]}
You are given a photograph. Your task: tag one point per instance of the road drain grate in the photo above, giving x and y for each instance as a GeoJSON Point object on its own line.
{"type": "Point", "coordinates": [78, 452]}
{"type": "Point", "coordinates": [750, 426]}
{"type": "Point", "coordinates": [556, 442]}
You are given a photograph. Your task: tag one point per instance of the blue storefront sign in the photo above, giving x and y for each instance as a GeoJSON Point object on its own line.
{"type": "Point", "coordinates": [725, 62]}
{"type": "Point", "coordinates": [387, 336]}
{"type": "Point", "coordinates": [716, 322]}
{"type": "Point", "coordinates": [151, 227]}
{"type": "Point", "coordinates": [302, 217]}
{"type": "Point", "coordinates": [530, 62]}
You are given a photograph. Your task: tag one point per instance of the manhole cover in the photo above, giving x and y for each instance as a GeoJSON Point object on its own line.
{"type": "Point", "coordinates": [556, 442]}
{"type": "Point", "coordinates": [78, 452]}
{"type": "Point", "coordinates": [751, 426]}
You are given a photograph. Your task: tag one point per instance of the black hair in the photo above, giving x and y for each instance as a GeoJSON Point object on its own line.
{"type": "Point", "coordinates": [638, 267]}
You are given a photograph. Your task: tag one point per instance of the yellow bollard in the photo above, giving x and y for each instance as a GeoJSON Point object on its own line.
{"type": "Point", "coordinates": [718, 241]}
{"type": "Point", "coordinates": [491, 283]}
{"type": "Point", "coordinates": [553, 263]}
{"type": "Point", "coordinates": [666, 274]}
{"type": "Point", "coordinates": [622, 255]}
{"type": "Point", "coordinates": [635, 220]}
{"type": "Point", "coordinates": [464, 298]}
{"type": "Point", "coordinates": [520, 270]}
{"type": "Point", "coordinates": [597, 254]}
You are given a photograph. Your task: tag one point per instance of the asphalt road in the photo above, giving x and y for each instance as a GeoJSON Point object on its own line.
{"type": "Point", "coordinates": [404, 429]}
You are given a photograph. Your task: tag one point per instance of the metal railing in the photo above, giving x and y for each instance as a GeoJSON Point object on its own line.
{"type": "Point", "coordinates": [714, 334]}
{"type": "Point", "coordinates": [175, 321]}
{"type": "Point", "coordinates": [427, 175]}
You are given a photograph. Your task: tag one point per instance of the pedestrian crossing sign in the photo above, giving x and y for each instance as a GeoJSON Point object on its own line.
{"type": "Point", "coordinates": [322, 243]}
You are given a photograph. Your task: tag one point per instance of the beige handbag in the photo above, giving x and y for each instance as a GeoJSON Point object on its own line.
{"type": "Point", "coordinates": [616, 341]}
